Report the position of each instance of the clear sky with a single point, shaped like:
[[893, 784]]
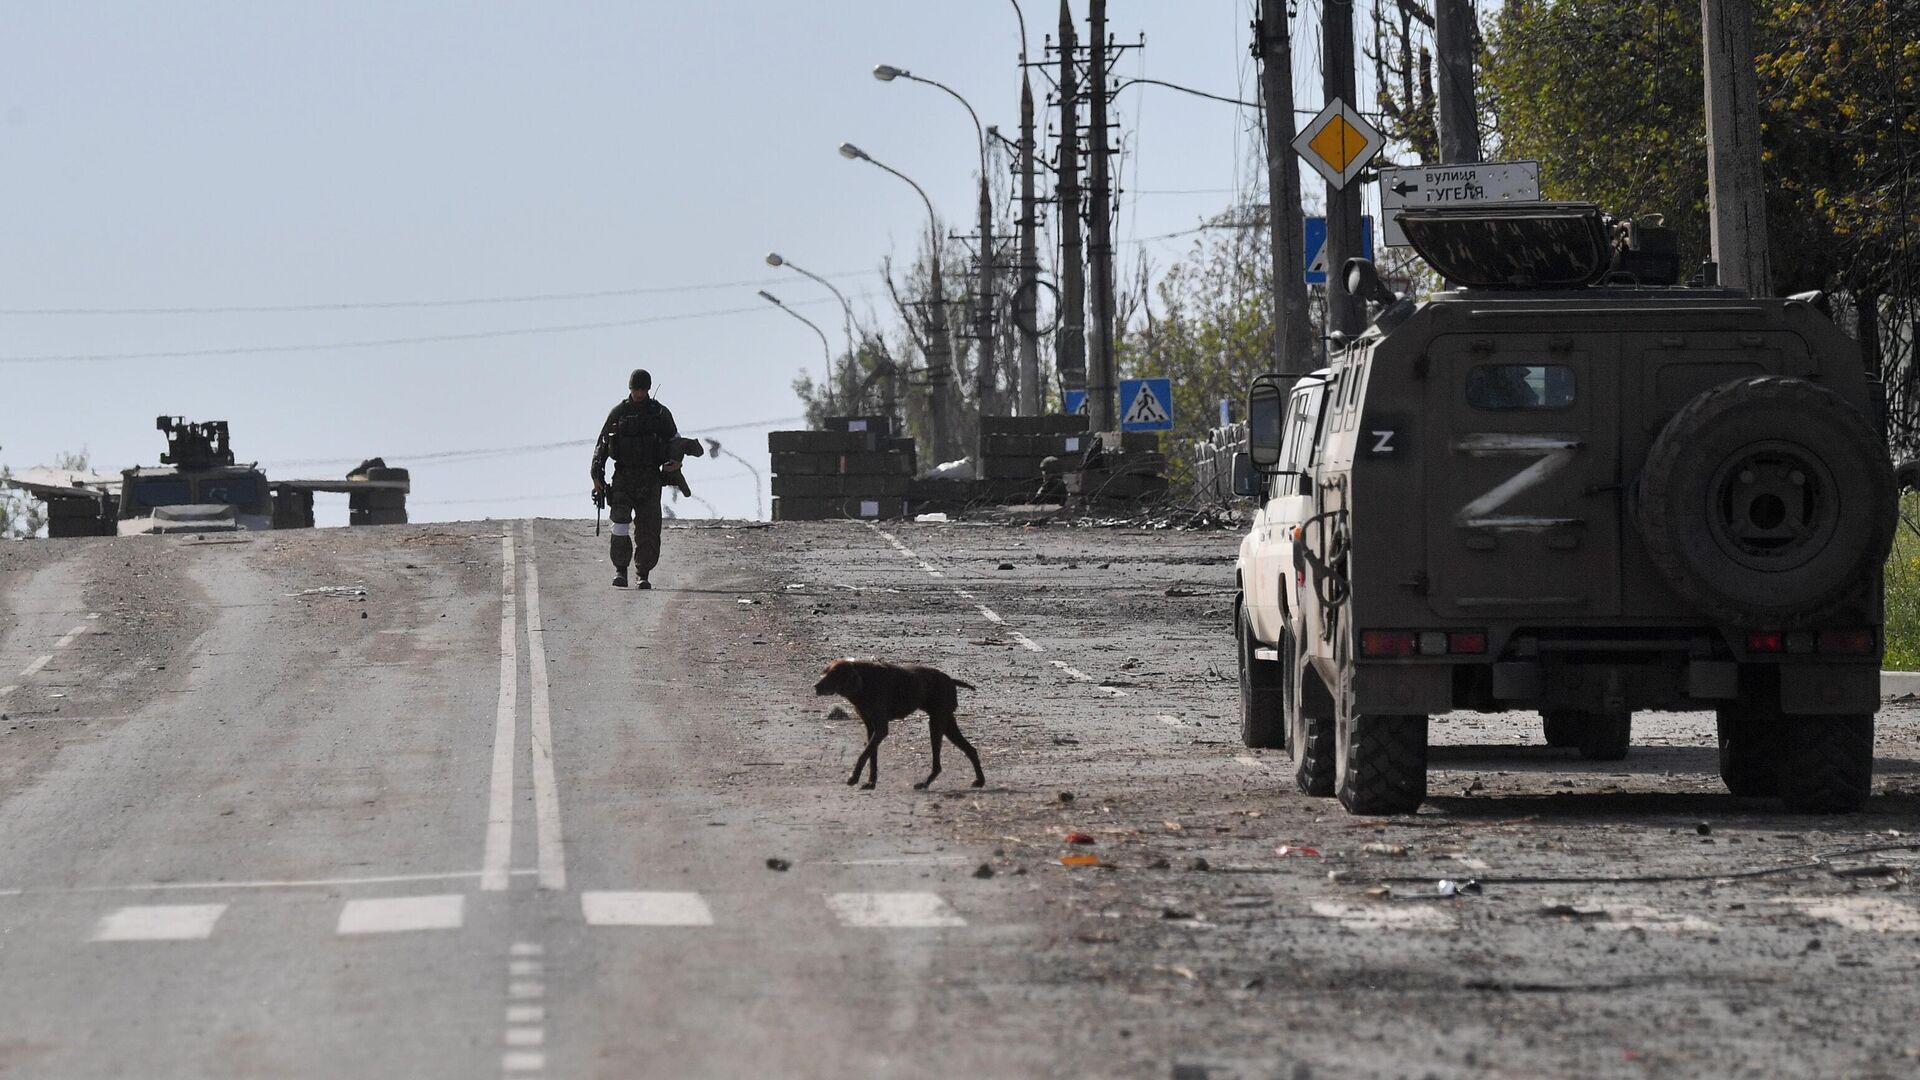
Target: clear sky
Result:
[[242, 154]]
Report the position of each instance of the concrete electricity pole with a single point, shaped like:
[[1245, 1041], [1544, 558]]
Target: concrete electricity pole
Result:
[[1293, 351], [1459, 112], [1100, 373], [1345, 313], [1026, 302], [1071, 350], [1737, 201]]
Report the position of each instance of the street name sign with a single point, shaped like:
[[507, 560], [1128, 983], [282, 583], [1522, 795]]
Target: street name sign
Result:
[[1146, 404], [1338, 143], [1421, 187]]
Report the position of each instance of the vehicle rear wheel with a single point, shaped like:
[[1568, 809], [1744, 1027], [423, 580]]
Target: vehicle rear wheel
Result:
[[1751, 747], [1605, 736], [1383, 762], [1311, 739], [1263, 719], [1828, 765], [1767, 501], [1561, 727]]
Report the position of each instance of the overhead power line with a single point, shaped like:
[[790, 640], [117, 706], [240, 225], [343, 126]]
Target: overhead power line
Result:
[[501, 451], [374, 343], [378, 305]]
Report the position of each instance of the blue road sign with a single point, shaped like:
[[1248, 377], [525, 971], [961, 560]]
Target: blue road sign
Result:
[[1316, 247], [1146, 404], [1076, 403]]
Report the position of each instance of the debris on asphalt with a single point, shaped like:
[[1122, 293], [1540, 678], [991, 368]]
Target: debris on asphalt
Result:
[[1004, 566], [1286, 851], [1704, 829], [1079, 860], [1175, 913], [1066, 796], [347, 592], [778, 863], [1449, 887], [1398, 851], [935, 518], [1199, 865], [1077, 838], [983, 871]]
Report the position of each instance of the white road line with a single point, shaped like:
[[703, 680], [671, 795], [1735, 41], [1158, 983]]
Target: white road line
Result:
[[526, 991], [645, 909], [5, 690], [526, 1036], [70, 635], [36, 666], [399, 914], [520, 1061], [526, 1014], [893, 910], [1026, 642], [1627, 915], [160, 922], [290, 883], [1082, 676], [521, 948], [526, 967], [1870, 914], [498, 853], [1382, 917], [546, 792]]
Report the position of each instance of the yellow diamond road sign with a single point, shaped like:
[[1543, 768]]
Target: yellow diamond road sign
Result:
[[1338, 143]]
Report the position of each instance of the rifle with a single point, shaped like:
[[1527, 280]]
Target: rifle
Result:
[[599, 501]]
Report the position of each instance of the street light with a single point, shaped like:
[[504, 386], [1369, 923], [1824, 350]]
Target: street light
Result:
[[825, 349], [984, 303], [939, 349], [846, 309]]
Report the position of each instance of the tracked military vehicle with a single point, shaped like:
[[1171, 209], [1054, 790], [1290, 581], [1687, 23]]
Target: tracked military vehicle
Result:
[[1569, 484]]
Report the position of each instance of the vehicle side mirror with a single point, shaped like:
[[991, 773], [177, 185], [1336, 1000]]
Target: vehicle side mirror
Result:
[[1363, 281], [1247, 482], [1266, 404]]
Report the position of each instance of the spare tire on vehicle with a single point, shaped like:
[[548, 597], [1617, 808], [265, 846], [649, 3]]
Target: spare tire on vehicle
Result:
[[1767, 501]]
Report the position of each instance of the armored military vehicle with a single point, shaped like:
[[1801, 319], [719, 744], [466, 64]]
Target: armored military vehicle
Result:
[[1570, 484], [198, 487]]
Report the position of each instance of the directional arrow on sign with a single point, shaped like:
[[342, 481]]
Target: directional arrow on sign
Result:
[[1401, 187]]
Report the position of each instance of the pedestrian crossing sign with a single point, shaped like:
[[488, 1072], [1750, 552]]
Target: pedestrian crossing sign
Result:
[[1146, 404]]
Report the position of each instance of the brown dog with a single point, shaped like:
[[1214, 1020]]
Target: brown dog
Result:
[[882, 693]]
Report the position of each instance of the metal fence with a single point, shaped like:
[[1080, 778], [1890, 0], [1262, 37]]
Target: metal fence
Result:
[[1213, 462]]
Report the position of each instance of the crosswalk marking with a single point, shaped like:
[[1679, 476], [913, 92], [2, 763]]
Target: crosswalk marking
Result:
[[1870, 914], [159, 922], [645, 909], [1627, 915], [402, 913], [893, 910], [1382, 917]]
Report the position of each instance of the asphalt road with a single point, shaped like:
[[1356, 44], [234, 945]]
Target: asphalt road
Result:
[[436, 801]]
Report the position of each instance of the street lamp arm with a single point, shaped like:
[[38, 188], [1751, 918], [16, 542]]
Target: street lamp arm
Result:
[[1187, 90], [933, 220], [979, 132]]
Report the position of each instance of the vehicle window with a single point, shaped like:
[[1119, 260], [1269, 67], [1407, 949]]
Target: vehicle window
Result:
[[1520, 386], [162, 493], [234, 490]]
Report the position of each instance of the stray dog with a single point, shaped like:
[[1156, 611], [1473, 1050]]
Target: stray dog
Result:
[[882, 693]]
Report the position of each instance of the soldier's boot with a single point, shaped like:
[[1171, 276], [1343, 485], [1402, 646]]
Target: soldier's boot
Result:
[[622, 552]]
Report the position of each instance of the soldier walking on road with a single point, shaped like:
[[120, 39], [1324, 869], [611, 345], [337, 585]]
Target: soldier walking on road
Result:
[[641, 438]]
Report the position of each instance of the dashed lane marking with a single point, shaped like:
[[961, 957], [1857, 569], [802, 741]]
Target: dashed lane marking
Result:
[[1870, 914], [645, 909], [36, 666], [5, 690], [1081, 676], [1026, 642], [401, 914], [1382, 917], [68, 639], [546, 792], [519, 1062], [159, 922], [1627, 915], [498, 852], [526, 1030], [893, 910]]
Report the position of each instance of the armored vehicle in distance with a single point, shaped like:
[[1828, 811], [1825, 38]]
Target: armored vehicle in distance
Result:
[[1569, 484]]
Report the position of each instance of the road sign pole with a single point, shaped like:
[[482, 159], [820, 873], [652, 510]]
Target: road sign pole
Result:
[[1345, 313], [1293, 351]]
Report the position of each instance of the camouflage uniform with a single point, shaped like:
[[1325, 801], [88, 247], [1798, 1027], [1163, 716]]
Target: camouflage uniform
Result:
[[639, 436]]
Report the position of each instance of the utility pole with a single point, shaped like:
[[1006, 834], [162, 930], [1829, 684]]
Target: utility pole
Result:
[[1100, 373], [1345, 313], [1293, 352], [1072, 346], [1737, 201], [943, 411], [1459, 112], [1025, 302], [986, 392]]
